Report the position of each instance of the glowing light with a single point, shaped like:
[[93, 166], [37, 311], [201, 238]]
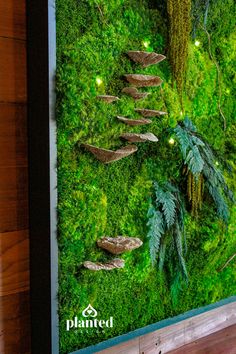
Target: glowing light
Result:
[[217, 163], [99, 81], [197, 43], [146, 44], [181, 113], [227, 91], [171, 141]]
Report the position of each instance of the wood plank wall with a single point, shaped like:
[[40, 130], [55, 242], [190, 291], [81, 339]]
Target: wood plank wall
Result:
[[14, 245], [179, 334]]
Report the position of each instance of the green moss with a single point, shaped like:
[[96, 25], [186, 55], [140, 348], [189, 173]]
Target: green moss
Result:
[[97, 199]]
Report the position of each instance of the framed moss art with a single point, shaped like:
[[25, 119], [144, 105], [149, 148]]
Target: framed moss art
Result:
[[132, 167]]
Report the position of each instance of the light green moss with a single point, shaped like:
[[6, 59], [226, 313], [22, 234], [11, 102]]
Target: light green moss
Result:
[[97, 199]]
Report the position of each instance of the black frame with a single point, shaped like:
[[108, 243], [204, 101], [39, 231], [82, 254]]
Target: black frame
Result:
[[41, 57]]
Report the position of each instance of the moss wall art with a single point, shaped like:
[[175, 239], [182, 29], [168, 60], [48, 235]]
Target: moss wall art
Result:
[[123, 198]]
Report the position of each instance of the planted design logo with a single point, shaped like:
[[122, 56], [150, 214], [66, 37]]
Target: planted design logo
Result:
[[90, 322], [89, 311]]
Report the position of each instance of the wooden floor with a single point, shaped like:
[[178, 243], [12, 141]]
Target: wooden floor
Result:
[[222, 342]]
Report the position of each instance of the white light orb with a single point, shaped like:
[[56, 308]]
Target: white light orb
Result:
[[99, 81], [146, 44]]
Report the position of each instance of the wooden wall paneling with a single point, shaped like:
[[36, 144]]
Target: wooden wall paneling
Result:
[[13, 135], [178, 334], [14, 262], [13, 198], [12, 70], [15, 324], [12, 19], [130, 347], [223, 342], [14, 242], [187, 331]]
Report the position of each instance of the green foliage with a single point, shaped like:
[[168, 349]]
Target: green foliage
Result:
[[179, 12], [97, 200], [200, 10], [190, 145], [155, 233], [166, 225], [166, 200], [200, 159]]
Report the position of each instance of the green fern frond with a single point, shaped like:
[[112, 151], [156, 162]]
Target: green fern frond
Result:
[[177, 235], [194, 161], [197, 141], [188, 124], [166, 226], [200, 159], [162, 254], [166, 200], [156, 231], [184, 140], [221, 206]]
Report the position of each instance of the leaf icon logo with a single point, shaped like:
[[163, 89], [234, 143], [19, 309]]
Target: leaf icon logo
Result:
[[89, 312]]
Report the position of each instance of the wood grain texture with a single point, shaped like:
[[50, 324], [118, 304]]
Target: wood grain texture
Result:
[[15, 324], [12, 19], [14, 246], [177, 335], [221, 342], [130, 347], [189, 330], [12, 70], [14, 262], [13, 135], [13, 198]]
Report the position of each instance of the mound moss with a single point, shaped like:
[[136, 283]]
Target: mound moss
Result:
[[97, 200]]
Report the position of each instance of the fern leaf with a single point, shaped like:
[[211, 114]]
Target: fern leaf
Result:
[[188, 124], [155, 233], [162, 254], [166, 200], [197, 141], [179, 248], [194, 161], [184, 140], [221, 206]]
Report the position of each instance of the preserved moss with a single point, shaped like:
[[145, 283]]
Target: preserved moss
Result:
[[179, 12], [97, 200]]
